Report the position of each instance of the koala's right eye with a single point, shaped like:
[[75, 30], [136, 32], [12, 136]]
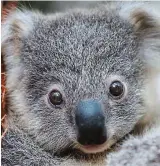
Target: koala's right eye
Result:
[[55, 97]]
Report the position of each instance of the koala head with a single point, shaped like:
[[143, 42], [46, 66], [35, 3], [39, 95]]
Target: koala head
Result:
[[75, 80]]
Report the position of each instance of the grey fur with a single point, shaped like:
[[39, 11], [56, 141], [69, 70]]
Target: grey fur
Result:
[[19, 149], [79, 53], [138, 151]]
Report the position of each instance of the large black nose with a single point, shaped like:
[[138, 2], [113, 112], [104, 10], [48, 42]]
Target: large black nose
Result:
[[90, 122]]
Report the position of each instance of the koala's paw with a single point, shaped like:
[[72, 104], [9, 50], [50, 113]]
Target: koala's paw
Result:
[[138, 151]]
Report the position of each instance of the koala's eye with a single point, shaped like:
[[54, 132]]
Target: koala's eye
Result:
[[55, 97], [116, 89]]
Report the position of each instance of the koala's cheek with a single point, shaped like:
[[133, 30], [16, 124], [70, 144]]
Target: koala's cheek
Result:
[[118, 128], [57, 116]]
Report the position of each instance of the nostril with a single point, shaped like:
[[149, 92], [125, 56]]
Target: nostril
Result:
[[98, 140], [92, 137], [102, 139]]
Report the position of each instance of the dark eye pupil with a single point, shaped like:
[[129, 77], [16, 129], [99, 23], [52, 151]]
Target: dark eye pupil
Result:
[[116, 88], [55, 97]]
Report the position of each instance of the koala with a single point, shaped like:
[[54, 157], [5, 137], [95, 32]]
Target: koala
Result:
[[76, 82]]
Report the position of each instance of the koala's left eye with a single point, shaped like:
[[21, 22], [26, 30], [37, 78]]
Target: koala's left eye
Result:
[[116, 89], [55, 97]]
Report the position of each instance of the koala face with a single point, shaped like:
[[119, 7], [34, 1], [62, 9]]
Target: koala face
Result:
[[80, 80]]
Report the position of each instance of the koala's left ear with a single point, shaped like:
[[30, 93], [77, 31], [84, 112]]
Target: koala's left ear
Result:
[[143, 16], [145, 19], [145, 23]]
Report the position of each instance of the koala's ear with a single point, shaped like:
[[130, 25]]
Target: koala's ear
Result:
[[144, 22], [145, 19], [143, 16], [15, 26]]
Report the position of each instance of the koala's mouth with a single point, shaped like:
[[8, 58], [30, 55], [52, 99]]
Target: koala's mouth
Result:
[[93, 149], [89, 152]]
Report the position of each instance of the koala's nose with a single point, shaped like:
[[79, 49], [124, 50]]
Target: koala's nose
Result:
[[90, 122]]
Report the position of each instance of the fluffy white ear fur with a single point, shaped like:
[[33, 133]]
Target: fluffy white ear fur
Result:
[[17, 24], [141, 14]]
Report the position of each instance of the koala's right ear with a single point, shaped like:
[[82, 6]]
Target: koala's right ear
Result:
[[16, 25]]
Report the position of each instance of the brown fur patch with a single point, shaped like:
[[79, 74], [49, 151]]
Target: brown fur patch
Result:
[[141, 20]]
